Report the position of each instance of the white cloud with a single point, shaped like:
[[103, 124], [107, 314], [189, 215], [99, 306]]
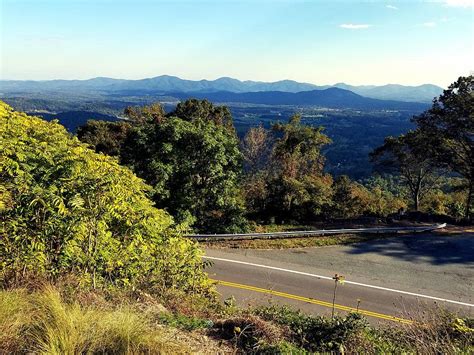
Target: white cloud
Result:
[[391, 7], [429, 24], [459, 3], [352, 26]]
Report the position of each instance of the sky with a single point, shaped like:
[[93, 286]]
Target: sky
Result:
[[321, 42]]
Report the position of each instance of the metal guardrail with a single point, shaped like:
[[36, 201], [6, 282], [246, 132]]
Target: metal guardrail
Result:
[[294, 234]]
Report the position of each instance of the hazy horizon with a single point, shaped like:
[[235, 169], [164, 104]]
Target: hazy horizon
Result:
[[319, 42], [213, 79]]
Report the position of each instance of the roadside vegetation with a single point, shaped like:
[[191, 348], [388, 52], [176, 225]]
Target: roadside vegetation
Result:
[[52, 319], [294, 242], [68, 211], [41, 322], [92, 257]]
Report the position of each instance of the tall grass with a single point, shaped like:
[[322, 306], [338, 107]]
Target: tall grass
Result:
[[15, 313], [41, 322], [437, 331], [49, 321]]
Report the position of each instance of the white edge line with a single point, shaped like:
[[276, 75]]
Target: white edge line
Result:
[[348, 282]]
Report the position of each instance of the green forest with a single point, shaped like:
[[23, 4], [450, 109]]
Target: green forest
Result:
[[92, 225], [210, 181]]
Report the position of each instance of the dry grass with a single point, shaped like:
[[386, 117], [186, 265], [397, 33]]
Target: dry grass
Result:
[[15, 312], [298, 242], [249, 333], [438, 331], [42, 322], [456, 230], [46, 321]]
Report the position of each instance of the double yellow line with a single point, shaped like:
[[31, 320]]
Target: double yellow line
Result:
[[313, 301]]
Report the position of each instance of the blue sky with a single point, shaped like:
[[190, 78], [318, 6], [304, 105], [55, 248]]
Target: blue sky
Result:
[[322, 42]]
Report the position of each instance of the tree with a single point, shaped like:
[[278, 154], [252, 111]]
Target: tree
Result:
[[189, 156], [386, 195], [194, 168], [148, 113], [103, 136], [255, 194], [345, 202], [194, 109], [298, 151], [66, 210], [449, 128], [407, 156], [109, 137], [256, 148], [298, 187]]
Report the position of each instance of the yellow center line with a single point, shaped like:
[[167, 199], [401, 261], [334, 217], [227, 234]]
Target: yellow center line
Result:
[[313, 301]]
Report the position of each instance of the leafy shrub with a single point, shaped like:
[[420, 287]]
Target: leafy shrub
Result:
[[184, 322], [315, 333], [65, 209], [249, 333]]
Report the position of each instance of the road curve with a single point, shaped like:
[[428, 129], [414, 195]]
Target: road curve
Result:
[[396, 277]]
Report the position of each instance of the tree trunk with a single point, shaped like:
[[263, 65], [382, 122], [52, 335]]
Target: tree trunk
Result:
[[469, 200], [416, 192], [416, 196], [416, 199]]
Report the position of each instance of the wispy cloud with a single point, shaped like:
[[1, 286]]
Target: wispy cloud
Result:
[[391, 7], [429, 24], [459, 3], [352, 26]]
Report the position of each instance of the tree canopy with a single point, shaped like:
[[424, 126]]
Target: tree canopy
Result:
[[103, 136], [292, 184], [194, 168], [148, 113], [204, 110], [407, 156], [449, 127], [190, 157]]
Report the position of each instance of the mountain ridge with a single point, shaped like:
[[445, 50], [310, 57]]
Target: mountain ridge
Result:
[[331, 98], [167, 83]]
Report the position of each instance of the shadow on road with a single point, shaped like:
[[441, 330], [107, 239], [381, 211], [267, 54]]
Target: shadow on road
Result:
[[432, 248]]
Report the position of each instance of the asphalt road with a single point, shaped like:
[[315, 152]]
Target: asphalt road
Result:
[[395, 277]]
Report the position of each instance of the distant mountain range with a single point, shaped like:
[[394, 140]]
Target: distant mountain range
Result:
[[420, 93], [166, 84], [330, 98]]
